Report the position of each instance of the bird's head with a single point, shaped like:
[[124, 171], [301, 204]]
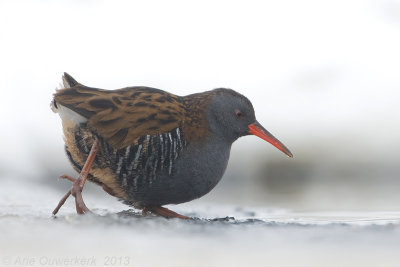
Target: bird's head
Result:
[[231, 115]]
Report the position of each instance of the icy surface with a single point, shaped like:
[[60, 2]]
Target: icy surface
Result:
[[220, 235]]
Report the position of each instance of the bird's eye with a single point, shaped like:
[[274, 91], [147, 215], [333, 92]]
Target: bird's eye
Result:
[[238, 113]]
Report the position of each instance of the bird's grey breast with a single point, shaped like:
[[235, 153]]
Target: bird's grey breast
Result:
[[201, 167], [162, 169], [165, 169]]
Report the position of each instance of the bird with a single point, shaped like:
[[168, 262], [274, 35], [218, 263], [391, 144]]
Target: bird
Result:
[[148, 147]]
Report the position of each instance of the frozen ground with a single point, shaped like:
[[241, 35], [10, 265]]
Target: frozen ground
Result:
[[221, 235]]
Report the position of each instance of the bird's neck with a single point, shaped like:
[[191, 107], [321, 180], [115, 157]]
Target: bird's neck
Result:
[[195, 125]]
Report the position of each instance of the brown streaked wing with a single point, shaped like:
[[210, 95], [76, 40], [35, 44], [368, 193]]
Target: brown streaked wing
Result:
[[122, 116]]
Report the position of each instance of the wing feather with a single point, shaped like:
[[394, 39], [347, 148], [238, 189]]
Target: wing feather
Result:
[[122, 116]]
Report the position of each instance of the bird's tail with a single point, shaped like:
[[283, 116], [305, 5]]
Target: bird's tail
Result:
[[67, 82]]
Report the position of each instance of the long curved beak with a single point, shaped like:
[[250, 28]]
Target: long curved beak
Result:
[[257, 130]]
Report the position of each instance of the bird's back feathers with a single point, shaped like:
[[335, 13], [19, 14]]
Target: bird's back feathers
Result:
[[122, 116]]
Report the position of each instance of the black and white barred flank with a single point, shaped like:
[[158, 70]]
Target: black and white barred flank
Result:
[[139, 164]]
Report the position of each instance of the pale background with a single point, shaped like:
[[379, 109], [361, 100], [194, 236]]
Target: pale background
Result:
[[323, 77]]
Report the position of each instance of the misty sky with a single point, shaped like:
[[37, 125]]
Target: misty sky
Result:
[[322, 75]]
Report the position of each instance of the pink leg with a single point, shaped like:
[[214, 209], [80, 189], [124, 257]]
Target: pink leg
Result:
[[77, 184], [164, 212]]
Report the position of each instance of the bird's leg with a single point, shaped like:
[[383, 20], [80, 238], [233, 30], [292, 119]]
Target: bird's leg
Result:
[[77, 184], [164, 212]]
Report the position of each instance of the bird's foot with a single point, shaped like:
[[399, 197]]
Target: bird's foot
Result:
[[164, 212], [76, 191], [77, 184]]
